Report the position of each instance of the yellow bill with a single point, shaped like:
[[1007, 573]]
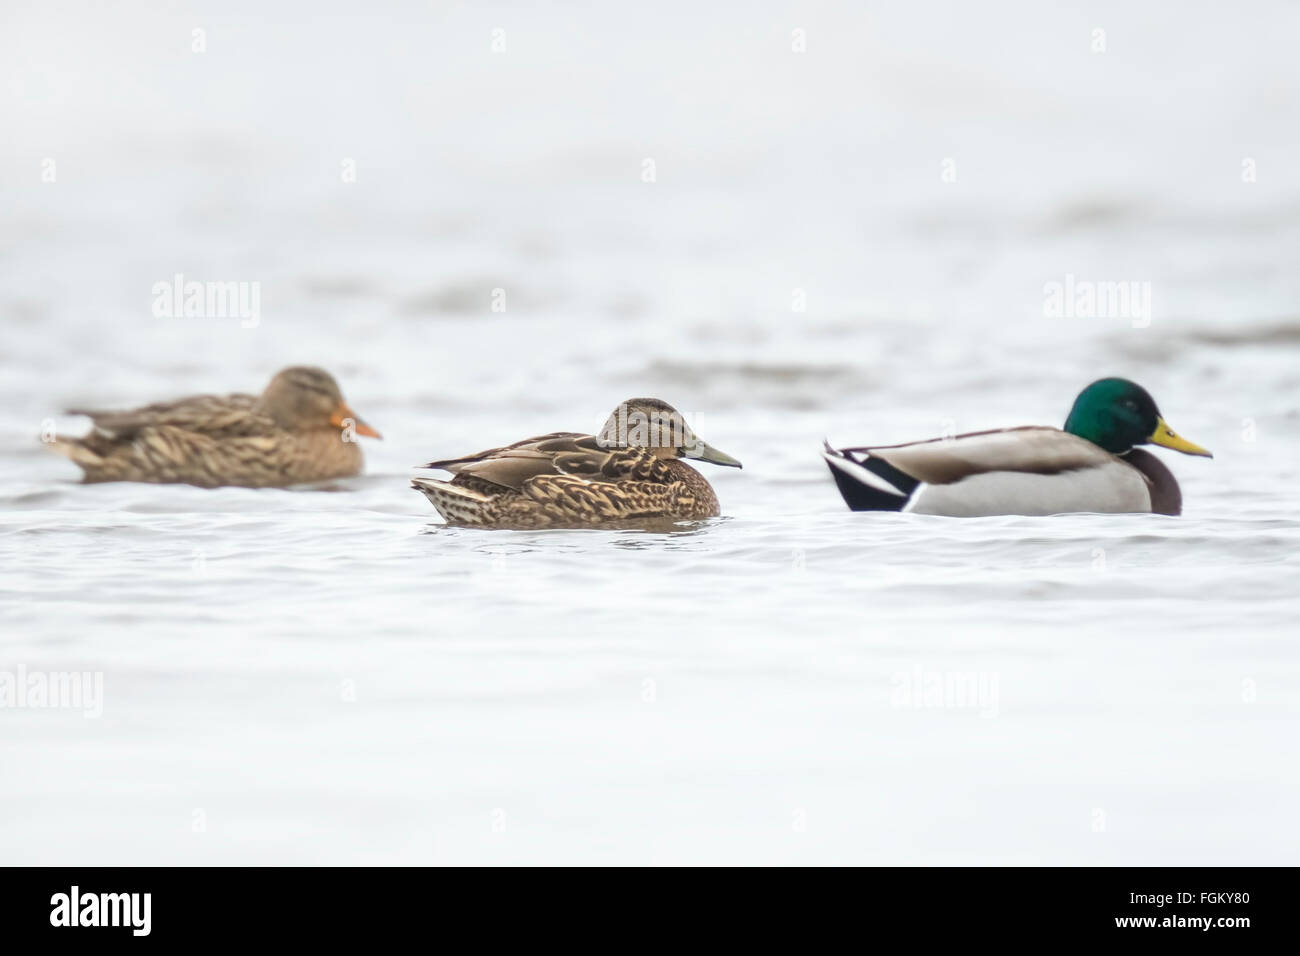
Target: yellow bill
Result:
[[1165, 436]]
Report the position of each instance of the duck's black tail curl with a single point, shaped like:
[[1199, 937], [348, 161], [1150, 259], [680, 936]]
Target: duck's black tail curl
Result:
[[867, 483]]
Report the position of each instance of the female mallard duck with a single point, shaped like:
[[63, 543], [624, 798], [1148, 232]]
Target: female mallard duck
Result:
[[1092, 465], [298, 430], [632, 471]]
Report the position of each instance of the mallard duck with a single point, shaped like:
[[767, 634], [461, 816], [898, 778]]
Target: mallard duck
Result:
[[630, 472], [1091, 465], [298, 430]]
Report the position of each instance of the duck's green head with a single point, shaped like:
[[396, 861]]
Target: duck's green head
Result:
[[1118, 414]]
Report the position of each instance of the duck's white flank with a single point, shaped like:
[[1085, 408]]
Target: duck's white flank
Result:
[[1112, 488]]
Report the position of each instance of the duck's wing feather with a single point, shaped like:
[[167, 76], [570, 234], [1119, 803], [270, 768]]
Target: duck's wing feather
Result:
[[214, 415], [1034, 450], [510, 465], [570, 454]]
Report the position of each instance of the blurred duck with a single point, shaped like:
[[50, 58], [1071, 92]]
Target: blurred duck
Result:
[[632, 472], [298, 430], [1092, 465]]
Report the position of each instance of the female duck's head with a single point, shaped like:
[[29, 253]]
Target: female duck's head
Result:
[[302, 398], [657, 426], [1118, 414]]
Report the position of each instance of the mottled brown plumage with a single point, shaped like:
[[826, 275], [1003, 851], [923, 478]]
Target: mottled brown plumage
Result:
[[631, 473], [298, 430]]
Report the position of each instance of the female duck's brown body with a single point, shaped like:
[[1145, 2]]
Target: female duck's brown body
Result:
[[568, 479], [298, 430]]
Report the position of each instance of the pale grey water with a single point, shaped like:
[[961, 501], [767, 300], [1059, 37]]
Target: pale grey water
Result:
[[321, 677]]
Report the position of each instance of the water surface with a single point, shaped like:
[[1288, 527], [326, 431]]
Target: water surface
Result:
[[308, 676]]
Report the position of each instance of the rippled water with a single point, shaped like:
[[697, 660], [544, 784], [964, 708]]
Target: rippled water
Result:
[[334, 676]]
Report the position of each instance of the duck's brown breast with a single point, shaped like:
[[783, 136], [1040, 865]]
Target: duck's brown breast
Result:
[[317, 456], [698, 499], [1166, 496]]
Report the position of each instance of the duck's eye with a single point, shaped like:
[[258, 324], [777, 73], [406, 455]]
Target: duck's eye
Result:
[[1130, 404]]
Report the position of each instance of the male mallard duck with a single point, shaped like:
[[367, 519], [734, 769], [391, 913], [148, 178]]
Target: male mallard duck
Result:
[[1092, 465], [632, 471], [298, 430]]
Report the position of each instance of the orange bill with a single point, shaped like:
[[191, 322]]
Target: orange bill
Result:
[[344, 416]]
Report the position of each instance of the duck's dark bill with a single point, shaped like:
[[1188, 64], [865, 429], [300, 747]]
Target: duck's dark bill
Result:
[[1165, 437], [706, 452]]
